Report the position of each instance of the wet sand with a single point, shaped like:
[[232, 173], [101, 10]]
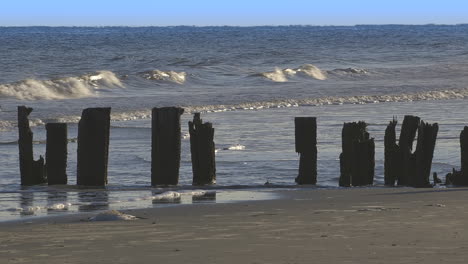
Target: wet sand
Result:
[[379, 225]]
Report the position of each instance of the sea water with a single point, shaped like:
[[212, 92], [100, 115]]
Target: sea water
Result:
[[250, 82]]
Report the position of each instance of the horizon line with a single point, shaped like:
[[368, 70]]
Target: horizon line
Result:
[[239, 26]]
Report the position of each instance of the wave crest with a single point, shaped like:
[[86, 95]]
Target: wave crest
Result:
[[62, 88], [172, 76], [308, 70]]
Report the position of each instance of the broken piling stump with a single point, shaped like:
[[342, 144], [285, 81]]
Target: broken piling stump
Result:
[[165, 145], [202, 148], [408, 168], [405, 170], [357, 162], [427, 135], [391, 154], [32, 172], [56, 153], [306, 146], [93, 146], [460, 178]]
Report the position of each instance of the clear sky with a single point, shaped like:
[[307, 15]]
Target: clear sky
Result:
[[230, 12]]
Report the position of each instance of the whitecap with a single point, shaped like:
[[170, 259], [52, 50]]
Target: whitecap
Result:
[[173, 76], [61, 88]]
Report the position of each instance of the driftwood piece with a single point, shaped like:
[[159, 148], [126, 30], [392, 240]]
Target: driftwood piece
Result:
[[32, 172], [165, 145], [202, 148], [357, 162], [56, 153], [93, 146], [306, 146]]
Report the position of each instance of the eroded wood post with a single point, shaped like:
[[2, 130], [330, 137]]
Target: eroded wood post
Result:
[[56, 153], [306, 146], [93, 146], [32, 172], [202, 148], [357, 163], [460, 178], [391, 152], [165, 145], [427, 135], [464, 155], [408, 133]]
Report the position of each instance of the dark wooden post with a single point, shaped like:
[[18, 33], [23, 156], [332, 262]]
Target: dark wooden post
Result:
[[306, 146], [391, 152], [357, 161], [460, 178], [93, 146], [365, 162], [408, 133], [427, 135], [56, 153], [165, 145], [32, 172], [464, 155], [202, 148]]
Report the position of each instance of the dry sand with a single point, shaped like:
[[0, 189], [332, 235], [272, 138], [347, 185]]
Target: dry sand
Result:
[[380, 225]]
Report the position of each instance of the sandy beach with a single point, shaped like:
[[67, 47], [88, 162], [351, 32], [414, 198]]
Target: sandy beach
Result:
[[379, 225]]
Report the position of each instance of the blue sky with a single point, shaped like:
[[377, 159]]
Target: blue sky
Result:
[[230, 12]]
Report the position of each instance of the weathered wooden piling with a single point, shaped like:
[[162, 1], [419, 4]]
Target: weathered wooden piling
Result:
[[32, 171], [306, 146], [422, 161], [460, 178], [464, 155], [93, 146], [408, 168], [404, 167], [391, 154], [165, 145], [357, 163], [202, 148], [56, 153]]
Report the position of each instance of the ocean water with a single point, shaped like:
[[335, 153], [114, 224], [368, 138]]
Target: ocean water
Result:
[[250, 82]]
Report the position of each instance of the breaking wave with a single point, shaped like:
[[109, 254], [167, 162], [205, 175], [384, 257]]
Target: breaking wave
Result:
[[62, 88], [172, 76], [281, 75]]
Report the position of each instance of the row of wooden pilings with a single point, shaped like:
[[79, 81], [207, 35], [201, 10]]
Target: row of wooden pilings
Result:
[[403, 167]]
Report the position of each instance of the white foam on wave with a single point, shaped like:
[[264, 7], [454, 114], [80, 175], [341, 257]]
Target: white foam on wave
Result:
[[61, 88], [235, 147], [59, 206], [328, 100], [170, 195], [31, 210], [312, 71], [277, 75], [309, 70], [172, 76]]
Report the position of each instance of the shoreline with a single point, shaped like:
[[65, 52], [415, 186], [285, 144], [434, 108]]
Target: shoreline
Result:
[[54, 202], [358, 225]]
